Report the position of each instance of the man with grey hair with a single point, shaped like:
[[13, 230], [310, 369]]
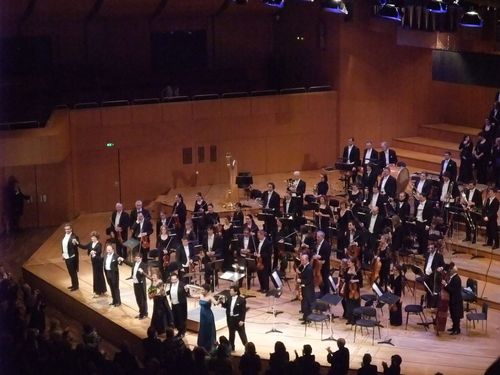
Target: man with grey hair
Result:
[[338, 359], [297, 188], [387, 156], [120, 222], [322, 254], [139, 209]]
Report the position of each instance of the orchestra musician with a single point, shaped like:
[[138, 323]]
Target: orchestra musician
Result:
[[198, 217], [138, 272], [161, 222], [448, 192], [284, 244], [369, 178], [343, 217], [490, 211], [250, 224], [211, 217], [120, 222], [454, 287], [481, 154], [356, 197], [466, 159], [352, 236], [370, 155], [184, 255], [189, 232], [351, 290], [397, 237], [290, 210], [212, 250], [263, 253], [402, 207], [322, 186], [305, 281], [238, 218], [387, 156], [165, 244], [137, 210], [433, 263], [179, 214], [351, 156], [298, 188], [271, 204], [247, 246], [471, 199], [423, 215], [388, 184], [384, 256], [396, 287], [323, 214], [375, 225], [322, 254], [226, 232], [375, 199], [449, 166], [141, 230]]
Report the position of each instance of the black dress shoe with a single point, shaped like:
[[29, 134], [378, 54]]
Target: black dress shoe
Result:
[[141, 317], [73, 289], [466, 240], [111, 304], [70, 287], [450, 329], [117, 304], [494, 247], [305, 322]]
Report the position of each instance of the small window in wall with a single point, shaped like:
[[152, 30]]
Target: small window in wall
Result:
[[213, 153], [187, 155], [201, 154]]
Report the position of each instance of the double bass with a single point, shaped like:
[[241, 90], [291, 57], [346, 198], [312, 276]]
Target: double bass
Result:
[[442, 306]]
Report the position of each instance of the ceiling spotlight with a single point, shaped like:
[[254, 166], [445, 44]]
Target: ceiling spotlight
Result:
[[471, 19], [436, 6], [334, 6], [274, 3], [389, 12]]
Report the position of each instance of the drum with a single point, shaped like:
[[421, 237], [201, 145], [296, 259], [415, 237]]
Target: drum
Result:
[[402, 176]]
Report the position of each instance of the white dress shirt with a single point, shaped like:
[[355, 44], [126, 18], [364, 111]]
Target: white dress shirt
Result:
[[319, 247], [174, 288], [134, 272], [261, 242], [382, 184], [371, 227], [246, 242], [420, 212], [65, 242], [428, 266], [107, 264], [420, 186], [349, 149], [386, 153], [444, 191], [374, 200], [368, 156], [186, 251], [210, 242], [445, 165], [233, 303], [471, 195]]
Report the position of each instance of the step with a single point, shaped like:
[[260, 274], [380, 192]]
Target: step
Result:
[[447, 132], [419, 160], [427, 145], [473, 249]]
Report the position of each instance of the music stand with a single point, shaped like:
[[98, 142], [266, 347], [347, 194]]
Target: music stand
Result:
[[216, 267], [131, 244], [333, 299], [233, 276], [275, 293], [389, 299]]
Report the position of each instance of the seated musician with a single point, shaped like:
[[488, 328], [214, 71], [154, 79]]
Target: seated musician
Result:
[[211, 217], [433, 263], [212, 250], [471, 200], [356, 196], [387, 156], [141, 230], [297, 188], [263, 254], [402, 207], [388, 184], [351, 290], [369, 178], [370, 155], [322, 186], [184, 255], [423, 214], [190, 233]]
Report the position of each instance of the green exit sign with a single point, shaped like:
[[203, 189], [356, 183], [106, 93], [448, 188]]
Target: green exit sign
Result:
[[110, 144]]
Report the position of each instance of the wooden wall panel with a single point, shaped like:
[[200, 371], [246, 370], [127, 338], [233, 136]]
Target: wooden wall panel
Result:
[[85, 117], [146, 114], [112, 116]]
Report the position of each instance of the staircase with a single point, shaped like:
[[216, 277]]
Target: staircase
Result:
[[425, 151]]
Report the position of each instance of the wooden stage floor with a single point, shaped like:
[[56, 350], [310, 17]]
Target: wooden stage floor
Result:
[[422, 351]]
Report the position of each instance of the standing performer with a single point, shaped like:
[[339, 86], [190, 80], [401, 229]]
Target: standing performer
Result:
[[162, 313], [112, 274], [298, 188], [490, 212], [434, 262], [263, 254], [396, 284], [388, 184], [235, 315], [178, 298], [351, 156], [270, 204], [213, 250], [471, 200], [351, 292], [179, 214], [94, 250], [184, 255], [466, 159], [481, 155], [322, 255], [211, 217], [456, 303], [306, 283], [323, 214], [69, 245], [370, 155], [120, 222], [200, 207], [387, 156], [139, 270], [137, 210], [206, 333], [424, 215], [449, 166]]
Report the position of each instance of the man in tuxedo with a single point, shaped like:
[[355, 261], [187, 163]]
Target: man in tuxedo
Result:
[[433, 262], [423, 214], [112, 274], [184, 255], [423, 185], [351, 236], [402, 206], [369, 178], [375, 199], [235, 314], [247, 244], [162, 221], [472, 199], [141, 230], [306, 282], [298, 189], [387, 156], [490, 211], [69, 245], [139, 209], [370, 155], [264, 251], [449, 166], [290, 210], [138, 276], [213, 250], [388, 184], [375, 225], [270, 204], [178, 298], [456, 303], [120, 223], [322, 254], [448, 193], [351, 156]]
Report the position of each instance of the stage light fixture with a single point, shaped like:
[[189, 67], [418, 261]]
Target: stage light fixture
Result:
[[471, 19], [274, 3], [389, 12], [436, 6], [334, 6]]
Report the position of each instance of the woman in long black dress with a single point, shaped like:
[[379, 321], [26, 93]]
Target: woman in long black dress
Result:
[[466, 160], [396, 284], [162, 313], [226, 231], [323, 214], [322, 186], [94, 250], [166, 244], [351, 291], [200, 207]]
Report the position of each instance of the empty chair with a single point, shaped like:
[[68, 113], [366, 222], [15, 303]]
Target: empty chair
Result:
[[416, 310], [319, 315], [475, 317], [368, 320]]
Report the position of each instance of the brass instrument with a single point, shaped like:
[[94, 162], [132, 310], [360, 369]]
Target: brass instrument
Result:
[[449, 199], [466, 206]]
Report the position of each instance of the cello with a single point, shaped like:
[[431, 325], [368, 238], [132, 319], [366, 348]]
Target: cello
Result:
[[318, 279], [442, 306]]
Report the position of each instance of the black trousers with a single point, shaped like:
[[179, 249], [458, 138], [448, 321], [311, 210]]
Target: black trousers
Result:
[[455, 323], [179, 311], [422, 237], [492, 232], [114, 286], [233, 326], [141, 299], [71, 265], [325, 286], [264, 277]]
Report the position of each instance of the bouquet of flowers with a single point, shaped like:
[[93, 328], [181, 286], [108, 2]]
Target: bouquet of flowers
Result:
[[152, 291]]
